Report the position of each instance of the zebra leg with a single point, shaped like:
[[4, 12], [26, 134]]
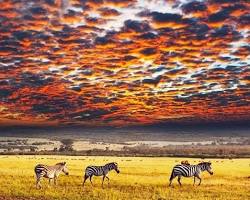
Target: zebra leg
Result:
[[90, 178], [179, 180], [84, 180], [38, 184], [194, 181], [171, 178], [103, 180], [200, 179], [55, 181], [107, 178], [38, 179]]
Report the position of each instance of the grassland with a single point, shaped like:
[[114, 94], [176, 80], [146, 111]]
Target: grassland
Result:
[[140, 178]]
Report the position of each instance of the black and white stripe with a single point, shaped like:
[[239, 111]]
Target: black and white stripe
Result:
[[189, 171], [91, 171], [50, 172]]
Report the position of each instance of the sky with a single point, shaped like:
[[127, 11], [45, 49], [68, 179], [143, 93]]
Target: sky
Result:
[[124, 62]]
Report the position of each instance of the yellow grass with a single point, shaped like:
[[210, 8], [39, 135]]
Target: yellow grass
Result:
[[140, 178]]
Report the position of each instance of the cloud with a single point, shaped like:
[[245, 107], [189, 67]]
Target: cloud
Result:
[[108, 12], [132, 25], [38, 11], [219, 16], [4, 93], [245, 19], [116, 62], [89, 114], [148, 51], [194, 6], [166, 17]]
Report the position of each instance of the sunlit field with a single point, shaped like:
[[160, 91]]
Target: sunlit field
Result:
[[140, 178]]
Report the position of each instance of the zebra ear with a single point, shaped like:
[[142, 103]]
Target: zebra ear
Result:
[[64, 163]]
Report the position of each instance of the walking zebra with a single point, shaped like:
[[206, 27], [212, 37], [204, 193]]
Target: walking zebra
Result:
[[50, 172], [99, 171], [189, 171]]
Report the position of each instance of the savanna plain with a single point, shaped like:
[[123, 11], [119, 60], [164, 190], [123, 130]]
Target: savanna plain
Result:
[[140, 178]]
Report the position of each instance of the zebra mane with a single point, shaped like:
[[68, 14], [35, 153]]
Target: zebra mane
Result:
[[112, 163], [205, 163], [61, 163]]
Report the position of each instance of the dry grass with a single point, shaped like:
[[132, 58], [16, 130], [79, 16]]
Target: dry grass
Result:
[[140, 178]]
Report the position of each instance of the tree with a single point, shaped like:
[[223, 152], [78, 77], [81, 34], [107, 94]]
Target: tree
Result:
[[67, 145], [33, 149]]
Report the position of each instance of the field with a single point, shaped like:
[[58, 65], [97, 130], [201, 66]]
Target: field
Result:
[[140, 178]]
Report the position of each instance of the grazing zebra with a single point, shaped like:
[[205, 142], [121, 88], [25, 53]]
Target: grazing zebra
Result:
[[50, 172], [190, 170], [99, 171]]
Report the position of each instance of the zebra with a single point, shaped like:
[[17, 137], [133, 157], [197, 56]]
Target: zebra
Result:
[[189, 171], [50, 172], [100, 171]]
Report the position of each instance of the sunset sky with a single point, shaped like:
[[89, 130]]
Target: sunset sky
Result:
[[124, 62]]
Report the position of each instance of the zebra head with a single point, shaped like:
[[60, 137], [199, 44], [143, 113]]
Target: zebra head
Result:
[[64, 168], [114, 166], [206, 166]]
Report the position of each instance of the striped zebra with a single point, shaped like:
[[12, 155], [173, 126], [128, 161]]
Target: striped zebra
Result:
[[189, 171], [100, 171], [50, 172]]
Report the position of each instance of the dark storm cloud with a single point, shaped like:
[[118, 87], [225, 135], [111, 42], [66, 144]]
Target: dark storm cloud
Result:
[[153, 81], [92, 19], [148, 51], [245, 19], [109, 11], [53, 107], [166, 17], [38, 11], [157, 69], [41, 36], [129, 57], [10, 43], [194, 7], [103, 40], [5, 93], [224, 31], [21, 35], [34, 80], [45, 108], [137, 26], [199, 30], [225, 1], [29, 17], [8, 49], [147, 36], [234, 7], [50, 2], [219, 16], [71, 13]]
